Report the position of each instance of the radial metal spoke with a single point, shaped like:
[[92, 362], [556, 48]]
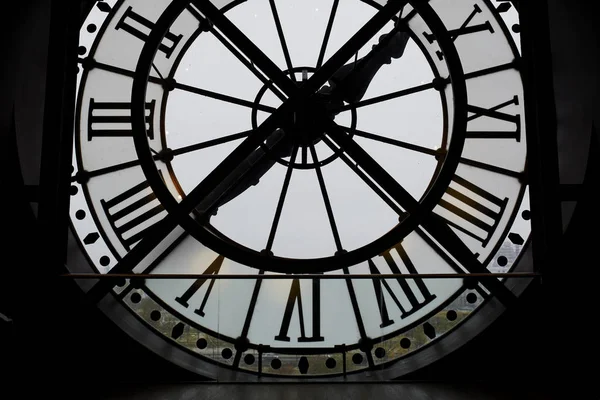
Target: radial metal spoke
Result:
[[249, 315], [223, 97], [357, 314], [236, 53], [364, 177], [492, 168], [246, 46], [389, 96], [160, 156], [332, 13], [492, 70], [284, 48], [157, 71], [435, 153], [249, 65], [184, 87], [334, 229], [90, 63], [373, 170], [211, 143], [394, 142], [279, 209], [107, 170]]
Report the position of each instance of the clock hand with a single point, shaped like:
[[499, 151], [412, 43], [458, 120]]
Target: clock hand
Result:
[[350, 82], [239, 180], [359, 76], [250, 50]]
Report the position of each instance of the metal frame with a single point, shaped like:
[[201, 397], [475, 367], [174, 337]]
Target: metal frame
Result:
[[542, 149], [57, 140]]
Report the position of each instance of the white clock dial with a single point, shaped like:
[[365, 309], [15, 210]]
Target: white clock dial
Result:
[[344, 139]]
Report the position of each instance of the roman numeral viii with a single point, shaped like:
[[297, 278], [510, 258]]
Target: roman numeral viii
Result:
[[479, 212], [113, 119], [129, 213], [295, 298], [140, 27], [416, 295], [212, 269], [465, 29]]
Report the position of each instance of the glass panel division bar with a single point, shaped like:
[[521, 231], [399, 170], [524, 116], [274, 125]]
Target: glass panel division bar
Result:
[[304, 276]]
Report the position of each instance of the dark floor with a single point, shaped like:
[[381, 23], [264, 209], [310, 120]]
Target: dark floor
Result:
[[408, 391]]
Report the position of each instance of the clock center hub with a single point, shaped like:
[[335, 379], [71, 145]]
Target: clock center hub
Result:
[[302, 131]]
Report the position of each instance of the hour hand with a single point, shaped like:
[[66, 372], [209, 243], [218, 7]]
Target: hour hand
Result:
[[351, 81], [248, 173]]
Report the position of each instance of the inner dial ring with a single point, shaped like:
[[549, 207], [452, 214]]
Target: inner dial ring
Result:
[[303, 142], [265, 259]]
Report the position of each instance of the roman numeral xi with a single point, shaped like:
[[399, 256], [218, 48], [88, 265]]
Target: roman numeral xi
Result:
[[212, 269]]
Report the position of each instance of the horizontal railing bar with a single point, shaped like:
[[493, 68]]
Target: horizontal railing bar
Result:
[[303, 276]]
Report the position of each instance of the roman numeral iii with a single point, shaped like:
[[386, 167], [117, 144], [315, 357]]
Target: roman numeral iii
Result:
[[113, 119]]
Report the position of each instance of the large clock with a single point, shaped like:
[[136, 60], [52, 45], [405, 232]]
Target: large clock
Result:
[[303, 189]]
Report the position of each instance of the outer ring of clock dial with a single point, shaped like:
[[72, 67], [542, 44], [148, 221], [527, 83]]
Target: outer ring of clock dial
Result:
[[135, 296], [267, 262]]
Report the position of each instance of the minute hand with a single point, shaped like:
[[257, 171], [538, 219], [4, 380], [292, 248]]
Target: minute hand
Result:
[[351, 81]]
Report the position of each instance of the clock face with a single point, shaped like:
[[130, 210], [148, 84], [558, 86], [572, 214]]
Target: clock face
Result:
[[254, 142]]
